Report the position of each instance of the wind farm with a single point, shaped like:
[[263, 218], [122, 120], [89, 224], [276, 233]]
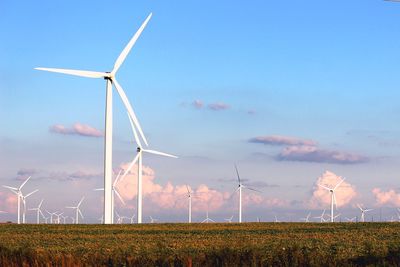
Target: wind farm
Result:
[[262, 108]]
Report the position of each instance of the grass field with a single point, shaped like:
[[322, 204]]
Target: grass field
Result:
[[253, 244]]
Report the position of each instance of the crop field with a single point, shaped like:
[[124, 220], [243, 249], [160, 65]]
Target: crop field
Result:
[[250, 244]]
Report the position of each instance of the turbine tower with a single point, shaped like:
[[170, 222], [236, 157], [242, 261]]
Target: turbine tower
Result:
[[240, 186], [110, 81], [24, 202], [139, 159], [363, 211], [189, 195], [333, 197], [77, 211], [18, 192]]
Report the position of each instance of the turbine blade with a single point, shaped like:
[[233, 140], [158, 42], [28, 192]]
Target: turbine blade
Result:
[[130, 166], [137, 139], [98, 189], [128, 106], [119, 196], [159, 153], [252, 189], [339, 184], [40, 204], [187, 189], [11, 188], [22, 185], [323, 186], [31, 193], [116, 179], [81, 73], [80, 213], [80, 202], [237, 173], [358, 205], [129, 46]]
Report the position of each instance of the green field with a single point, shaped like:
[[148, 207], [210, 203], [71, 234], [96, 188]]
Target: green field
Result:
[[253, 244]]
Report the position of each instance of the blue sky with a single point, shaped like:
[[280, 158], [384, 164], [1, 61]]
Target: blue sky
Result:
[[314, 70]]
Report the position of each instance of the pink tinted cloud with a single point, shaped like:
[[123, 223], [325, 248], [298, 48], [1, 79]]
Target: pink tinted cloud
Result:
[[8, 202], [76, 129], [282, 140], [219, 106], [390, 197], [198, 104], [313, 154], [321, 198], [169, 196]]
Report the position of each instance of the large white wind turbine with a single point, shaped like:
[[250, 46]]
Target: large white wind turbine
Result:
[[18, 192], [240, 186], [77, 210], [333, 197], [363, 211], [139, 159], [110, 80], [38, 212], [116, 192]]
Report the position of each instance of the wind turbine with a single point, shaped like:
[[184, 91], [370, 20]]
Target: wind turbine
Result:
[[276, 219], [240, 186], [24, 203], [229, 220], [333, 197], [132, 219], [138, 159], [38, 212], [110, 81], [363, 211], [58, 217], [322, 217], [18, 192], [189, 195], [77, 211], [116, 192], [306, 219], [207, 219], [351, 219], [152, 220], [51, 215]]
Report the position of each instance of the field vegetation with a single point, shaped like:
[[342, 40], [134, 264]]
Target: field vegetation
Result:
[[250, 244]]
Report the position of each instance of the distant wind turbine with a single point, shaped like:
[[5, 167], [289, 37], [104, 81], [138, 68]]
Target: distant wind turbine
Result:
[[139, 159], [77, 210], [114, 192], [363, 211], [351, 219], [110, 81], [239, 188], [38, 212], [306, 219], [333, 196], [152, 220], [322, 217], [229, 220]]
